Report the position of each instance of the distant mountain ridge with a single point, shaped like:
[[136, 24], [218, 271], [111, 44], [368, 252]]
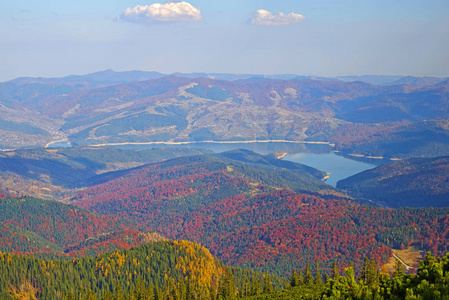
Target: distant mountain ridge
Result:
[[117, 77], [107, 77], [112, 107]]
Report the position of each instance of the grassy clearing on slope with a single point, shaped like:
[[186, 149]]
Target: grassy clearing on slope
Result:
[[411, 256]]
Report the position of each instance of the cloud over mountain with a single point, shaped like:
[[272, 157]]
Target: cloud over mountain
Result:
[[265, 18], [171, 11]]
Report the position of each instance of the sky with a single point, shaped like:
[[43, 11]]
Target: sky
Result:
[[54, 38]]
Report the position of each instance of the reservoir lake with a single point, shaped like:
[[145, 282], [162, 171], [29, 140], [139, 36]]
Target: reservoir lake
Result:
[[319, 156]]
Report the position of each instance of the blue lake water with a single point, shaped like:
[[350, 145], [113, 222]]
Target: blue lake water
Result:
[[320, 157], [59, 145], [339, 167]]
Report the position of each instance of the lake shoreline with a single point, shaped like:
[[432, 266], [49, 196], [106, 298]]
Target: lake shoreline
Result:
[[362, 156], [55, 142], [322, 155], [212, 142]]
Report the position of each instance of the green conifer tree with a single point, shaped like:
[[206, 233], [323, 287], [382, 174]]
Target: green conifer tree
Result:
[[149, 292], [318, 279], [301, 278], [398, 269], [246, 288], [255, 287], [189, 290], [294, 279], [268, 286], [227, 287], [335, 273], [308, 277], [212, 293]]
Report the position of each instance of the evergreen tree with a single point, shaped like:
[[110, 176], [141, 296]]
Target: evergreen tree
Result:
[[364, 271], [118, 295], [212, 293], [308, 277], [255, 287], [203, 292], [301, 278], [91, 295], [268, 286], [294, 279], [189, 290], [369, 273], [227, 287], [398, 269], [246, 290], [107, 295], [157, 293], [171, 290], [318, 280], [335, 273], [182, 289], [150, 292]]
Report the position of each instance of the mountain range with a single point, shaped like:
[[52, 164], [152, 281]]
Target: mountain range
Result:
[[251, 210], [167, 222], [110, 107]]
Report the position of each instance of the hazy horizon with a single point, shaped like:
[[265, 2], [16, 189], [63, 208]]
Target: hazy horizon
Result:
[[231, 74], [313, 37]]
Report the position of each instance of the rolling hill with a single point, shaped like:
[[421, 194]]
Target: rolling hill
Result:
[[43, 227], [147, 267], [394, 140], [258, 212], [250, 210], [418, 182], [54, 173]]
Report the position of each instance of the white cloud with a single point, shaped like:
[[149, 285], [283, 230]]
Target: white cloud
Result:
[[171, 11], [266, 18]]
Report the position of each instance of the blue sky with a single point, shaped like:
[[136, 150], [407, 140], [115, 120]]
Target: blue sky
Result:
[[310, 37]]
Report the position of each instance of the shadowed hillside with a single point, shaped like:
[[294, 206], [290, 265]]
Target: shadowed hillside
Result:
[[418, 182]]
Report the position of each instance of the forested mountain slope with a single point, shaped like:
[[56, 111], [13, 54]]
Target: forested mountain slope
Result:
[[155, 264], [394, 140], [31, 225], [184, 270], [244, 210], [245, 164], [54, 173], [418, 182]]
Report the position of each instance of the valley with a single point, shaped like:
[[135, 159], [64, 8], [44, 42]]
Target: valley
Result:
[[224, 150], [178, 180], [237, 203]]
